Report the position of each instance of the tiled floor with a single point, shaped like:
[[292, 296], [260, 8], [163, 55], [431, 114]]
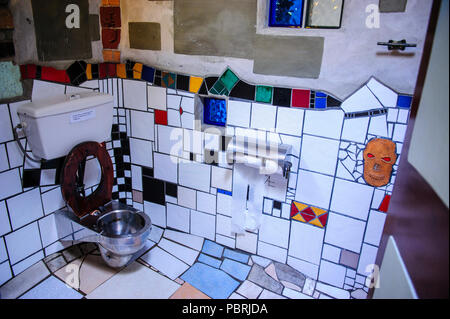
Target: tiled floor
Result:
[[178, 266]]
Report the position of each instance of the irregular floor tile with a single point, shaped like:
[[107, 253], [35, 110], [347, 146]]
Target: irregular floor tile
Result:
[[259, 277], [186, 291], [52, 288]]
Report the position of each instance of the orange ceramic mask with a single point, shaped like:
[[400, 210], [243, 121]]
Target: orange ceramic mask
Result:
[[379, 157]]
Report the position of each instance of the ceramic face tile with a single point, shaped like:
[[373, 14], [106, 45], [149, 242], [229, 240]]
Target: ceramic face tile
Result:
[[349, 259], [274, 231], [135, 282], [293, 294], [3, 158], [15, 240], [226, 241], [319, 154], [375, 225], [355, 129], [5, 227], [272, 252], [183, 253], [361, 196], [189, 240], [306, 242], [325, 123], [290, 121], [264, 94], [142, 125], [247, 242], [243, 90], [25, 208], [178, 217], [403, 115], [157, 213], [186, 197], [214, 111], [367, 258], [361, 100], [194, 175], [345, 232], [385, 95], [52, 200], [12, 179], [212, 248], [166, 167], [156, 98], [301, 98], [238, 113], [235, 269], [136, 177], [211, 281], [263, 116], [206, 203], [221, 178], [314, 189], [141, 152], [134, 93], [404, 101]]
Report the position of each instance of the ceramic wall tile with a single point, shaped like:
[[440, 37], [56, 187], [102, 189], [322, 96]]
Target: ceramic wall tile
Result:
[[50, 233], [319, 154], [385, 95], [44, 89], [399, 133], [25, 208], [378, 126], [331, 253], [361, 100], [367, 258], [52, 288], [314, 189], [194, 175], [3, 254], [170, 140], [166, 167], [134, 95], [272, 252], [332, 274], [142, 125], [263, 117], [5, 128], [332, 291], [355, 130], [306, 242], [206, 203], [156, 98], [14, 242], [15, 155], [189, 240], [221, 178], [12, 179], [238, 113], [173, 101], [136, 177], [27, 262], [326, 124], [3, 158], [193, 141], [183, 253], [52, 200], [360, 194], [5, 273], [141, 152], [223, 225], [249, 290], [186, 197], [374, 229], [274, 231], [173, 118], [224, 204], [157, 213], [345, 232], [235, 269], [290, 121], [178, 217]]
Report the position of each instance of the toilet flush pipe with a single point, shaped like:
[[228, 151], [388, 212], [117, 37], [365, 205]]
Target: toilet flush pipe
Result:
[[21, 126]]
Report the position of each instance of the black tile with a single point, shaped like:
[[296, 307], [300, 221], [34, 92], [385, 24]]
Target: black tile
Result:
[[129, 65], [31, 178], [276, 204], [281, 97], [191, 156], [332, 102], [203, 90], [210, 82], [157, 80], [115, 195], [54, 163], [244, 91], [122, 188], [94, 71], [115, 128], [147, 171], [171, 189], [183, 82], [123, 200], [38, 72], [77, 72], [153, 190]]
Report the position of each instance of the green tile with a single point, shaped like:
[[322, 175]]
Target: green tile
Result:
[[219, 89], [229, 79], [263, 94]]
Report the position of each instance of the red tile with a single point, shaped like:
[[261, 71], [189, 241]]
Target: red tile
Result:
[[384, 206], [28, 71], [300, 98], [160, 117], [110, 17], [111, 70], [110, 38], [54, 75], [102, 70], [323, 219], [294, 210]]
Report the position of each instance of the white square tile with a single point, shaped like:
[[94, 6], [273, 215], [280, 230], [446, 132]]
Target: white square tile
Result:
[[306, 242], [48, 176], [25, 208], [188, 120], [15, 242], [355, 130], [314, 189], [186, 197], [5, 273], [12, 179], [221, 178], [156, 98], [399, 133], [319, 154], [44, 89], [178, 217], [212, 141], [378, 126], [324, 123], [170, 140], [351, 198], [274, 231], [52, 201], [194, 175], [331, 253], [136, 177], [361, 100], [247, 242], [223, 225], [173, 101], [238, 113], [134, 94], [206, 203], [203, 225], [385, 95], [392, 114], [173, 118], [141, 152], [157, 213], [187, 103], [308, 269], [50, 232], [224, 204], [142, 125], [375, 226], [226, 241], [166, 167], [272, 252], [403, 116], [193, 141], [183, 253], [263, 116], [290, 121], [332, 274], [15, 155], [344, 232], [189, 240], [366, 259]]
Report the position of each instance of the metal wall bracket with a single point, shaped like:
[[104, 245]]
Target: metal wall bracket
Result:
[[397, 45]]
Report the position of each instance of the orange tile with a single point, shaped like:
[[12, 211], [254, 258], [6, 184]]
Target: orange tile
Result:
[[114, 3], [137, 71], [111, 56], [186, 291], [89, 71], [194, 84], [121, 70]]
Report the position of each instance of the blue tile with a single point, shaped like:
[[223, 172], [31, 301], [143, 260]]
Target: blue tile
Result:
[[235, 269], [209, 260], [148, 73], [286, 13], [320, 94], [320, 103], [211, 281], [243, 258], [224, 192], [212, 249], [215, 112], [404, 101], [52, 288]]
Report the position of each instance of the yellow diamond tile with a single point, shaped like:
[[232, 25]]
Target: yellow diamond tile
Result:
[[318, 211], [300, 206], [299, 218], [316, 222]]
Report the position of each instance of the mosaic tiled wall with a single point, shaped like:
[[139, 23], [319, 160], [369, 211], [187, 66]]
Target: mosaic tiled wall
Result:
[[325, 221]]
